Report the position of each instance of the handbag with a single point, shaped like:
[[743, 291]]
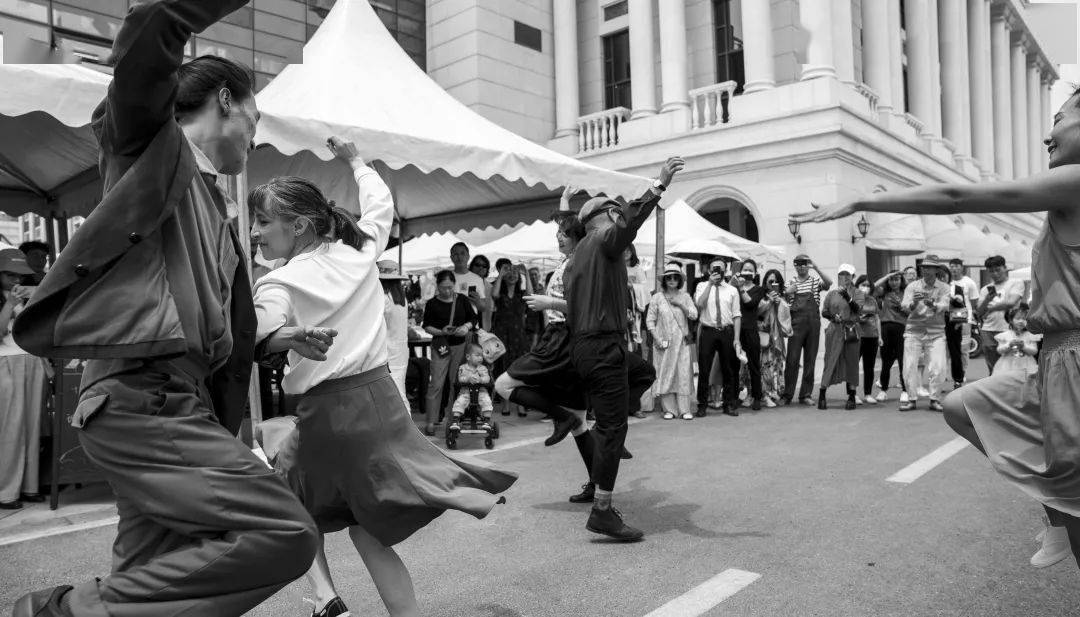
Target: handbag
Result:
[[851, 333]]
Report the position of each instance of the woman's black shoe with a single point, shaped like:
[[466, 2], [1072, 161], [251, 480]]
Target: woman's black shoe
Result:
[[587, 494], [821, 404], [333, 608], [850, 404], [11, 505], [562, 429], [625, 454], [32, 497]]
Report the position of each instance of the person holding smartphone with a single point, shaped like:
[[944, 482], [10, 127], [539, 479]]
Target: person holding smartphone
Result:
[[1001, 295], [753, 304], [449, 317]]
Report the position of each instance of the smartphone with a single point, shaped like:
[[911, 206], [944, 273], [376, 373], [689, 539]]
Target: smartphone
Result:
[[472, 289], [991, 290]]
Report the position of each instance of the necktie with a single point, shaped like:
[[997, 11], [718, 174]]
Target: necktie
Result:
[[716, 312]]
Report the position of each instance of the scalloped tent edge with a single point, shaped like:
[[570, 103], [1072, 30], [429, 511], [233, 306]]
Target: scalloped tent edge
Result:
[[450, 169]]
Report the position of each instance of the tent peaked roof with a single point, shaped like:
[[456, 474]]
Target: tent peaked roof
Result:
[[682, 223], [443, 158]]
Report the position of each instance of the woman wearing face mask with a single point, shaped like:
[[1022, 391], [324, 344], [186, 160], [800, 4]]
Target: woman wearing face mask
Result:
[[508, 320], [753, 304], [774, 327], [393, 481], [841, 307], [668, 317], [869, 327]]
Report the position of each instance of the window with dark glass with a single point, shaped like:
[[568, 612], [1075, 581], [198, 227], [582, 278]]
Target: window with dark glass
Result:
[[406, 22], [617, 70], [618, 9], [527, 36], [729, 47]]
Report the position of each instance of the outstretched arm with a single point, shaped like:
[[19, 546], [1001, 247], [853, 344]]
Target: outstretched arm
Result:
[[619, 237], [1051, 190], [376, 203]]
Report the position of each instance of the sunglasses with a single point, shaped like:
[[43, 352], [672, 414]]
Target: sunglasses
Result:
[[802, 263]]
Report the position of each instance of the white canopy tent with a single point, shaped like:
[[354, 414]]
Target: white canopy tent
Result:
[[681, 223], [426, 252], [899, 233], [48, 153], [449, 168], [531, 242]]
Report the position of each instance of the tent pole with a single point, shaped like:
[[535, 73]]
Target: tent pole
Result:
[[240, 185], [658, 267]]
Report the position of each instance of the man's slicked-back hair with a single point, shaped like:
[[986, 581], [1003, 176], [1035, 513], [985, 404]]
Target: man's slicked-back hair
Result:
[[205, 76]]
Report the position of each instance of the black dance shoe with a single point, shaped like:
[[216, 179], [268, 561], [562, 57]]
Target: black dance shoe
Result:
[[562, 429], [333, 608], [44, 603], [625, 454], [609, 522], [587, 494]]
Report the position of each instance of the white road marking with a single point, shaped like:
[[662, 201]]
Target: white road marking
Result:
[[707, 595], [499, 447], [916, 470], [57, 531]]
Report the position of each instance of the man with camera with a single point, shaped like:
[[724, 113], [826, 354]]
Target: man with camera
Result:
[[720, 316], [995, 299]]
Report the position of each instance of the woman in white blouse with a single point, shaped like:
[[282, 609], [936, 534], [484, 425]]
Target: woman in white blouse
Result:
[[356, 461]]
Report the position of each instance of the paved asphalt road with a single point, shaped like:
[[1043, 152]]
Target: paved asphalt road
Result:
[[796, 495]]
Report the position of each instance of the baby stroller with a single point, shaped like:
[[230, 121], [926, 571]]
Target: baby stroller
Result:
[[471, 422]]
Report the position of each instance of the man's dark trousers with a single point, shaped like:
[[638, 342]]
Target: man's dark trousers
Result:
[[954, 339], [205, 527], [722, 341], [751, 344], [613, 377]]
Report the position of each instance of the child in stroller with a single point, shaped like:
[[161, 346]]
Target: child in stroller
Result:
[[473, 401]]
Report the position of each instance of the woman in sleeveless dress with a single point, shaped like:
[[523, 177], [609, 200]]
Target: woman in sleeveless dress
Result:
[[356, 460], [1026, 424]]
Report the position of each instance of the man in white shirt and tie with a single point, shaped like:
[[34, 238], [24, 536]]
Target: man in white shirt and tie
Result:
[[720, 317]]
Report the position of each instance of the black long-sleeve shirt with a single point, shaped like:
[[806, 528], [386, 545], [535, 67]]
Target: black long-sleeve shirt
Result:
[[595, 281]]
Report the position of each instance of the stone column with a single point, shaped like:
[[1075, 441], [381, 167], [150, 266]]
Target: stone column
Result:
[[877, 50], [981, 93], [935, 66], [567, 96], [1036, 150], [896, 56], [843, 40], [642, 58], [955, 80], [920, 67], [1018, 75], [758, 48], [673, 56], [816, 18], [1001, 80]]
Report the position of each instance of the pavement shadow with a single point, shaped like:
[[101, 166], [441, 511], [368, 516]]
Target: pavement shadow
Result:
[[498, 610], [651, 512]]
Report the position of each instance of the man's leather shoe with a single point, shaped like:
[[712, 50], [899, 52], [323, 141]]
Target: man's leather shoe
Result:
[[610, 523], [562, 429], [730, 410], [587, 494], [32, 497], [44, 603], [756, 405], [701, 411]]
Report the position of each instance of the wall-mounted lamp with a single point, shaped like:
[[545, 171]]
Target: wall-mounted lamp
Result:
[[863, 226], [793, 227]]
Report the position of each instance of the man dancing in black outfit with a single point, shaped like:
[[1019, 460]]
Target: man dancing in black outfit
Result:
[[596, 284]]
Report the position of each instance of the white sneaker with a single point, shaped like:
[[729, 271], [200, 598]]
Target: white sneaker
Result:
[[904, 398], [768, 402], [922, 392], [870, 400], [882, 396], [1055, 547], [858, 400]]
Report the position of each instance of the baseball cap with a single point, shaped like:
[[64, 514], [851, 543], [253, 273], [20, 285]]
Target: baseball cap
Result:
[[850, 269], [13, 260], [595, 206], [388, 270]]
